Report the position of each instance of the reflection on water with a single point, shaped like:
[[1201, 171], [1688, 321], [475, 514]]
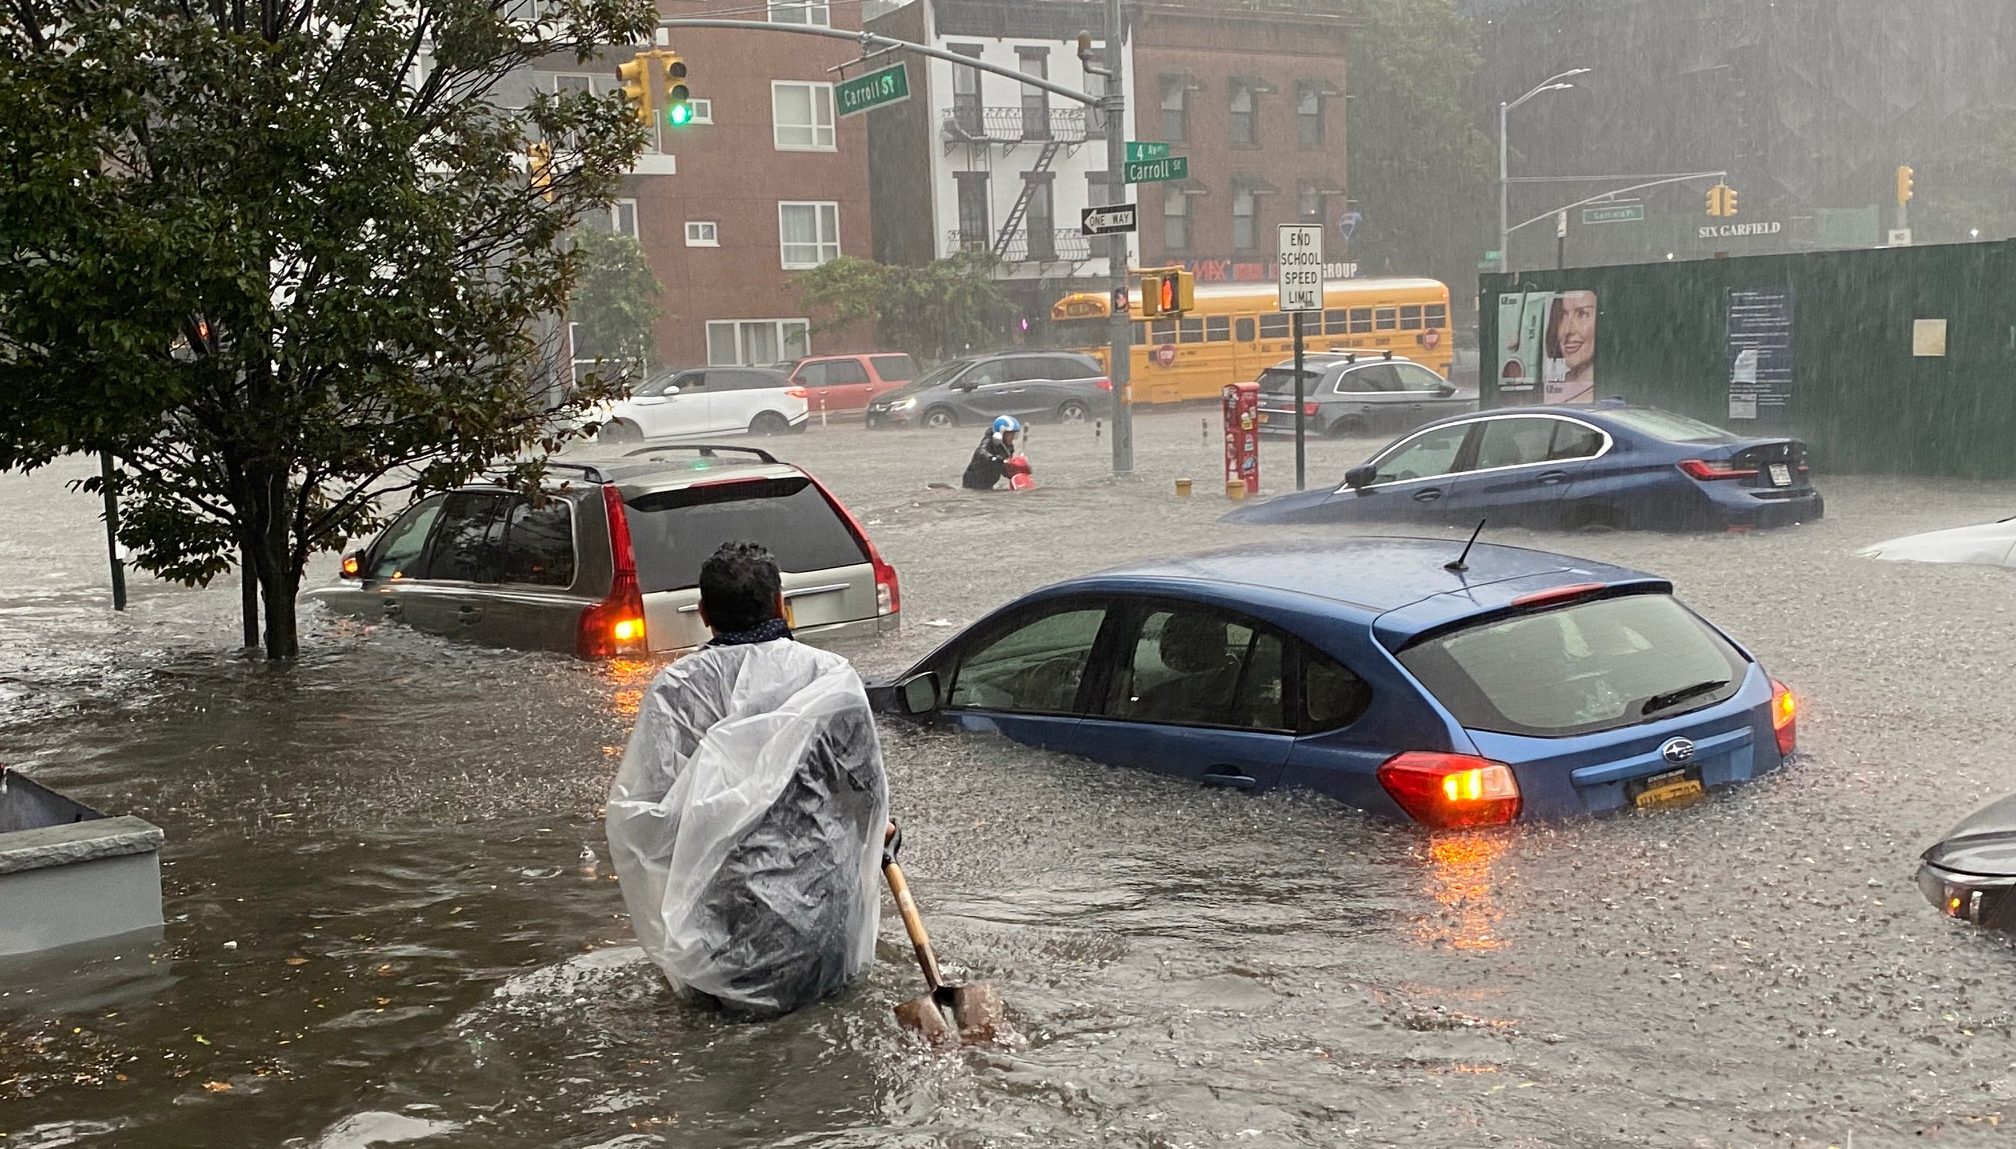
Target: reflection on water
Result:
[[1460, 879]]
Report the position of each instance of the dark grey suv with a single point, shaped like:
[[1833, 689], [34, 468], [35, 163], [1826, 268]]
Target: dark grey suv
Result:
[[1033, 386], [607, 561], [1357, 393]]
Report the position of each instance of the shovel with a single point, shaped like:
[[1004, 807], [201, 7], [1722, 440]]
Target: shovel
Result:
[[975, 1010]]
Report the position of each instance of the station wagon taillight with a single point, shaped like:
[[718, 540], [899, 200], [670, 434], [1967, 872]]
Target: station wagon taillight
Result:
[[1708, 470], [1449, 791], [615, 625], [1103, 383]]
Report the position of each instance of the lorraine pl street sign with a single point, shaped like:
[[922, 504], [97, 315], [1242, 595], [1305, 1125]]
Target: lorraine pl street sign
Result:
[[1152, 171], [1106, 220], [875, 89], [1614, 213]]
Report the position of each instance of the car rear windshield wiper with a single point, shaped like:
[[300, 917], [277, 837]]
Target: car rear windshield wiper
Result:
[[1662, 701]]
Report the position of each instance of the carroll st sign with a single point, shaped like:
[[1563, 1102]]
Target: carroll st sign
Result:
[[1736, 230], [1252, 271]]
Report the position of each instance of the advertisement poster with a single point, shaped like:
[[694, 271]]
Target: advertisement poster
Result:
[[1547, 350], [1760, 354]]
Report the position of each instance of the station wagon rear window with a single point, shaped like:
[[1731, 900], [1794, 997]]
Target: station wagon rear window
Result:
[[1579, 669], [673, 532]]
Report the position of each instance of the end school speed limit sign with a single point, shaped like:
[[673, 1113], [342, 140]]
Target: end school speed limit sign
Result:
[[1299, 256]]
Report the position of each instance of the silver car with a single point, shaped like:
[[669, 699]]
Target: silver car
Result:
[[606, 562], [1357, 393]]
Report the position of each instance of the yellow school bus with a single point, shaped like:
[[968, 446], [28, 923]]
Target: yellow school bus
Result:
[[1235, 332]]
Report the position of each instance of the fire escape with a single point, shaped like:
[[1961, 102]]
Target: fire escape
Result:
[[980, 131]]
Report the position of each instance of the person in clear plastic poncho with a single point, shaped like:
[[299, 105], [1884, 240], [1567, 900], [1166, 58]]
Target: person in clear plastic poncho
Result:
[[747, 820]]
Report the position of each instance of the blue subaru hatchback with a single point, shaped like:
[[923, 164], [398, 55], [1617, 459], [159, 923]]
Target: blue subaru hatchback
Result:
[[1394, 675], [1607, 464]]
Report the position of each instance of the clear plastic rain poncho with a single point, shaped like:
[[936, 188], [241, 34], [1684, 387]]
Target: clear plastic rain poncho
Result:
[[746, 825]]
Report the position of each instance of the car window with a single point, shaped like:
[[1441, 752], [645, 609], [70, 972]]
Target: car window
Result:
[[539, 543], [989, 371], [1414, 377], [673, 532], [1574, 441], [690, 380], [1429, 453], [1281, 381], [1369, 378], [746, 380], [394, 554], [656, 386], [1514, 442], [1074, 367], [1579, 669], [811, 375], [1332, 696], [464, 547], [894, 368], [1033, 668], [1194, 667], [1028, 367], [845, 372]]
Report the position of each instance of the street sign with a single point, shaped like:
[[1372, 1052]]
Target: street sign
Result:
[[875, 89], [1900, 237], [1153, 171], [1614, 213], [1561, 225], [1138, 150], [1107, 220], [1492, 259], [1299, 256]]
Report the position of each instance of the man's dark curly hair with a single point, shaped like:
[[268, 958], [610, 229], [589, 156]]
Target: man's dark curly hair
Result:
[[739, 586]]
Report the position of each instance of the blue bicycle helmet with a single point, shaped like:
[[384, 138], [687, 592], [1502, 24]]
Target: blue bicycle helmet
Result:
[[1007, 423]]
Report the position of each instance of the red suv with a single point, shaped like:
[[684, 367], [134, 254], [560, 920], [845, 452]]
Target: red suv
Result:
[[845, 383]]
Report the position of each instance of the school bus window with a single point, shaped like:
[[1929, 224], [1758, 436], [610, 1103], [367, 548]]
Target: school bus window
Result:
[[1162, 331], [1437, 315], [1245, 331], [1385, 319], [1192, 331], [1410, 318], [1217, 328], [1140, 329], [1274, 326], [1337, 322], [1361, 320]]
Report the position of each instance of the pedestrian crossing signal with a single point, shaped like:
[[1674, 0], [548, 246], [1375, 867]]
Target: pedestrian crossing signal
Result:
[[1169, 292]]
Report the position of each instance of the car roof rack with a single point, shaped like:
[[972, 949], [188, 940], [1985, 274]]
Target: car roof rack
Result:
[[587, 472], [704, 450]]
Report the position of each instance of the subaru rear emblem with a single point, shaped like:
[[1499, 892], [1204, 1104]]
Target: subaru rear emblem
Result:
[[1677, 750]]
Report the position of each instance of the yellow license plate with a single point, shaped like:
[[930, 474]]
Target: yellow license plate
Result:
[[1677, 792]]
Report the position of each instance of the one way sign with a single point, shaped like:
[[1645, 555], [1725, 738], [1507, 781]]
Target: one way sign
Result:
[[1107, 220]]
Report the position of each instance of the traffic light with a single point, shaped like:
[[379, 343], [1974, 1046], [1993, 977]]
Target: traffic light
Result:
[[1721, 200], [678, 110], [1168, 292], [1904, 174], [539, 169], [635, 74]]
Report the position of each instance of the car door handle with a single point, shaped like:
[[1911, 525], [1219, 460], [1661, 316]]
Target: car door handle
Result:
[[1553, 477], [1230, 779], [1428, 495]]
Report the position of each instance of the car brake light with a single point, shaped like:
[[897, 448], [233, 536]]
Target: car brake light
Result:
[[795, 392], [888, 589], [1710, 469], [1784, 717], [616, 624], [1103, 383], [1447, 791], [1309, 408], [1557, 594]]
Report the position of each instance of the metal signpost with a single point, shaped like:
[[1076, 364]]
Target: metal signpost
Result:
[[1299, 257], [877, 89]]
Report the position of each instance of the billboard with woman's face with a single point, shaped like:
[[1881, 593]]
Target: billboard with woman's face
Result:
[[1547, 347], [1571, 348]]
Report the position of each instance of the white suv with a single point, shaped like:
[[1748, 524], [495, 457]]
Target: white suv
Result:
[[707, 401]]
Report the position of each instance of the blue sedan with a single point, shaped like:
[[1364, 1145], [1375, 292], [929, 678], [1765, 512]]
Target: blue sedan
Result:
[[1395, 675], [1608, 464]]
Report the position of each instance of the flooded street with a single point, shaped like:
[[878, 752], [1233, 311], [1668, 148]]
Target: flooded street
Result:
[[391, 921]]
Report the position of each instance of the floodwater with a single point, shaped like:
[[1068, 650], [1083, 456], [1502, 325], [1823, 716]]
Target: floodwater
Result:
[[391, 923]]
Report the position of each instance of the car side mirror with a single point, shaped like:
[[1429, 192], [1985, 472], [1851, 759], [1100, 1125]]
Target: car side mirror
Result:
[[1445, 390], [1360, 476], [353, 565], [918, 693]]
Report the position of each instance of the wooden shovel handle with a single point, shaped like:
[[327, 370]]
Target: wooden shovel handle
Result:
[[913, 924]]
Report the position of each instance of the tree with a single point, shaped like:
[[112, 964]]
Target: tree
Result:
[[615, 304], [933, 312], [283, 261], [1419, 168]]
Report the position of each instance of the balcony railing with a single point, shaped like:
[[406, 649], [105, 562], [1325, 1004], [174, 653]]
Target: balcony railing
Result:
[[1014, 125], [1060, 245]]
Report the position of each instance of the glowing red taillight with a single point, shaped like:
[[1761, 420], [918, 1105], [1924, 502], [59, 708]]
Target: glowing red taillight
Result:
[[1309, 408], [1103, 383], [616, 624], [1708, 470], [1446, 791], [1784, 717]]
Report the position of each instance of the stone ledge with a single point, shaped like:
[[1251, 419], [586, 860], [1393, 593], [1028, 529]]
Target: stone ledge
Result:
[[85, 841]]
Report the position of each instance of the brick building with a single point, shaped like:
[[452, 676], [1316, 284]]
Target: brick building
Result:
[[766, 182], [1256, 101]]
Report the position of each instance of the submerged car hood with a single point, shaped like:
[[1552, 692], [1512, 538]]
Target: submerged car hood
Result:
[[1983, 843], [1990, 543], [1292, 508]]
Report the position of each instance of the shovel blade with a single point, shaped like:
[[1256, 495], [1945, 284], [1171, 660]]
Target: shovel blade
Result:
[[977, 1010], [924, 1017]]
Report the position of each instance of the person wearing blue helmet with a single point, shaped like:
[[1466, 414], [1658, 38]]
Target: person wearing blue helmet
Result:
[[990, 459]]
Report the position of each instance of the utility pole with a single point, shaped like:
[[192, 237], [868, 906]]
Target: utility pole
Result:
[[1551, 84], [1120, 336]]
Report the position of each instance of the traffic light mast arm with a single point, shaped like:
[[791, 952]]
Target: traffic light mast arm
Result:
[[1550, 213]]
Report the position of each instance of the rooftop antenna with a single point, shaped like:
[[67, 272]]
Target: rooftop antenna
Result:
[[1459, 566]]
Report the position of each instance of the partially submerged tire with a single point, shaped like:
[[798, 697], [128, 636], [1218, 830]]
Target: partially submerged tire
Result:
[[939, 418], [769, 423], [1073, 411], [620, 431]]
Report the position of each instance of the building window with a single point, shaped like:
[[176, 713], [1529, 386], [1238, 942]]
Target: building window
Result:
[[756, 342], [803, 114], [703, 111], [1309, 115], [1245, 127], [703, 233], [966, 90], [808, 233], [974, 228], [1175, 109], [623, 217], [1245, 221], [1035, 101], [1309, 203], [800, 12], [1042, 216], [1175, 220]]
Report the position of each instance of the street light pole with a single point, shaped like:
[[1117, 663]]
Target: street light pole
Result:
[[1550, 84], [1120, 324]]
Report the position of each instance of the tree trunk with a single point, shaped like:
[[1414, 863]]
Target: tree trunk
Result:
[[248, 596], [282, 641], [269, 546]]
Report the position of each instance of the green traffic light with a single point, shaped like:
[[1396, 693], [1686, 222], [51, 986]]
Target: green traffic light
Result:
[[679, 115]]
